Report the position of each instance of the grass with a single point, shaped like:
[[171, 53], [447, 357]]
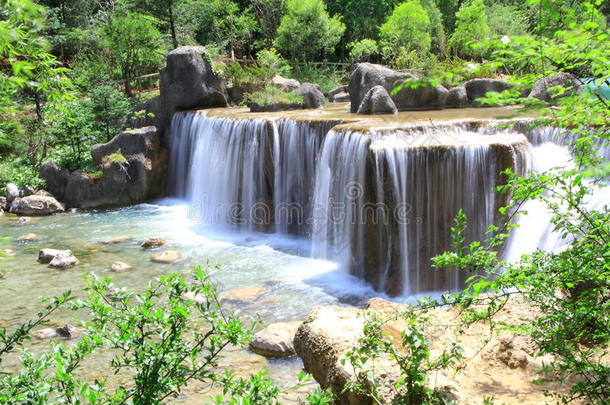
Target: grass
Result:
[[271, 95], [328, 77], [116, 157]]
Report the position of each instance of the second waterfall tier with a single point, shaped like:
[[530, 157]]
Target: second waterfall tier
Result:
[[380, 201]]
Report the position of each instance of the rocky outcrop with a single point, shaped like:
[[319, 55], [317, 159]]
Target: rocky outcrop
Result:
[[135, 173], [188, 82], [377, 101], [36, 205], [367, 75], [568, 81], [275, 340], [478, 88], [312, 95], [457, 97]]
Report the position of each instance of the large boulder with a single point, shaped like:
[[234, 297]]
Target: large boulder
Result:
[[11, 191], [312, 95], [478, 88], [457, 97], [368, 75], [344, 89], [36, 205], [136, 175], [377, 101], [541, 87], [188, 82]]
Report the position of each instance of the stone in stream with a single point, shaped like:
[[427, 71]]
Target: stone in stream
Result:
[[36, 205], [192, 296], [4, 206], [243, 295], [117, 240], [44, 334], [167, 257], [64, 260], [275, 340], [46, 255], [478, 88], [120, 266], [568, 81], [29, 237], [312, 95], [2, 275], [457, 97], [153, 243], [68, 331], [25, 220]]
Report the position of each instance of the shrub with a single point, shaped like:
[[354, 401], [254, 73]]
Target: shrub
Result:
[[20, 171], [363, 50], [272, 61], [271, 95]]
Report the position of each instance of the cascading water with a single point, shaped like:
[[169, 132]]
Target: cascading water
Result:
[[379, 203]]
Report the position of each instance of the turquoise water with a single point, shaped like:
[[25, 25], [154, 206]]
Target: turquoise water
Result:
[[293, 283]]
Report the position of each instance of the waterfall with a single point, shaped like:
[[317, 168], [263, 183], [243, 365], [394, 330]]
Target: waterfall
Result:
[[385, 203], [380, 203]]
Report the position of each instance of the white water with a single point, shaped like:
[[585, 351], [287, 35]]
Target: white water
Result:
[[379, 205]]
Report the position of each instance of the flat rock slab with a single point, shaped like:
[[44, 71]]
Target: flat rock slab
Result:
[[275, 340], [243, 295], [36, 205], [167, 257], [117, 240], [29, 237]]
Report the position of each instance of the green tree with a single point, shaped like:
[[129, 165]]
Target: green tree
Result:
[[307, 31], [269, 13], [164, 10], [471, 26], [362, 17], [407, 28], [133, 44]]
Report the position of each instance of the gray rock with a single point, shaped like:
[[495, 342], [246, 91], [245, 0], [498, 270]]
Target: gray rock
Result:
[[146, 114], [4, 204], [237, 93], [312, 95], [341, 98], [68, 332], [153, 243], [188, 82], [36, 205], [457, 97], [337, 90], [275, 340], [285, 83], [478, 88], [44, 193], [63, 260], [28, 190], [566, 80], [377, 101], [368, 75], [139, 178], [46, 255], [11, 191], [167, 257]]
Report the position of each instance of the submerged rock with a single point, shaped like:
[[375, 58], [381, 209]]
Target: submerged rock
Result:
[[153, 243], [377, 101], [44, 334], [275, 340], [29, 237], [117, 240], [24, 220], [36, 205], [243, 295], [68, 331], [169, 256], [64, 260], [120, 266]]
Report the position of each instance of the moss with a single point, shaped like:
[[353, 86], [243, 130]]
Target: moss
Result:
[[114, 157], [95, 175]]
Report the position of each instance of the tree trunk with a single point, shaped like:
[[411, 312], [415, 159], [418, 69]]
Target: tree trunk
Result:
[[172, 24]]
